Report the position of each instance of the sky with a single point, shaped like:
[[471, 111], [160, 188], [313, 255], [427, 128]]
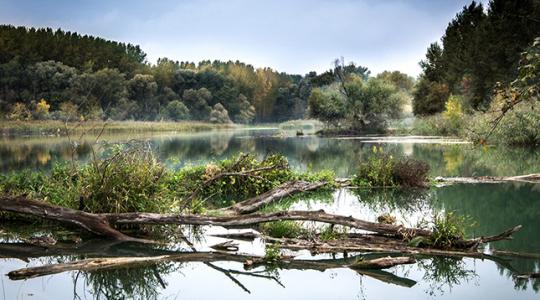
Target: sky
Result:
[[294, 36]]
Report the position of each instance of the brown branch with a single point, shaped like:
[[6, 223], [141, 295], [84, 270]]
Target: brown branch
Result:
[[94, 223], [284, 190]]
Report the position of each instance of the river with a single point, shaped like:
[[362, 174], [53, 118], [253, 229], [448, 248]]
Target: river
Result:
[[494, 207]]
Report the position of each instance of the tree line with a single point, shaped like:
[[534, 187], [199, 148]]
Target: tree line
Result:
[[479, 51], [63, 75]]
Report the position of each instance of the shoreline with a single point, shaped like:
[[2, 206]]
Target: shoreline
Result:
[[59, 128]]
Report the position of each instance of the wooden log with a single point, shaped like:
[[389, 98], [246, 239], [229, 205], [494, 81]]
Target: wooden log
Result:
[[285, 190], [529, 178], [94, 223], [382, 263], [100, 223], [258, 218]]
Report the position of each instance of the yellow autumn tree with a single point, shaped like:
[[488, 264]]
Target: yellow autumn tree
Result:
[[42, 109], [453, 115]]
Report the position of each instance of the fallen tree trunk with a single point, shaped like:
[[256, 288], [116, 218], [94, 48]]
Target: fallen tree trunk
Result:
[[258, 218], [101, 223], [285, 190], [94, 223], [529, 178]]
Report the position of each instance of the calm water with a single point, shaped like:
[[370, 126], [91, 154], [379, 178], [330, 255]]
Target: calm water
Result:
[[494, 207]]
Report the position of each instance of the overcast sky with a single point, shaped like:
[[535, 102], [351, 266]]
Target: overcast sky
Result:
[[291, 36]]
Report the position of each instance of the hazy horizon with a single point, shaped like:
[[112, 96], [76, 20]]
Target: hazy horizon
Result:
[[293, 37]]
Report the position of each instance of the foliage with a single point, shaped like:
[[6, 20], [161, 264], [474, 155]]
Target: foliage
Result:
[[68, 111], [219, 115], [386, 218], [448, 228], [327, 104], [283, 229], [519, 127], [429, 97], [356, 103], [20, 112], [376, 171], [130, 180], [410, 172], [450, 123], [228, 189], [176, 111], [42, 110], [115, 82], [383, 170], [331, 232], [480, 47], [272, 253]]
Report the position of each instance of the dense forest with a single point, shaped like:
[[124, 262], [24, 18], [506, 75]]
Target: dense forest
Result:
[[64, 75], [480, 48]]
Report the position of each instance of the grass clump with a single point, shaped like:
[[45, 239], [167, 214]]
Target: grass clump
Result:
[[447, 228], [283, 229], [272, 253], [383, 170], [129, 180], [331, 232]]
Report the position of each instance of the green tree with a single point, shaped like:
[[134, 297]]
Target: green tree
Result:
[[176, 111], [197, 103], [142, 90], [219, 115], [247, 111]]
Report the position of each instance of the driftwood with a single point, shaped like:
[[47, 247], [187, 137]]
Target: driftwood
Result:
[[529, 178], [94, 223], [101, 223], [285, 190], [95, 264]]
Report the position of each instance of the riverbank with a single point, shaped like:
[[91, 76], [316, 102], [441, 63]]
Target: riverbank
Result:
[[59, 128]]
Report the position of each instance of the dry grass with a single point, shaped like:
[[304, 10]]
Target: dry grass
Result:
[[50, 127]]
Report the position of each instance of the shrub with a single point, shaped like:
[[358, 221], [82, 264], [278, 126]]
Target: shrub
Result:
[[448, 228], [383, 170], [20, 112], [453, 116], [128, 181], [410, 172], [376, 171]]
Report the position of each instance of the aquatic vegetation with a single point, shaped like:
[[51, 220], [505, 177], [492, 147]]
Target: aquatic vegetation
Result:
[[283, 229], [272, 253], [448, 228], [383, 170], [131, 179], [331, 232]]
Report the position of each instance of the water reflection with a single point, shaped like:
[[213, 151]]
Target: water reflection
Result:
[[494, 207], [341, 155]]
